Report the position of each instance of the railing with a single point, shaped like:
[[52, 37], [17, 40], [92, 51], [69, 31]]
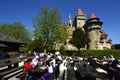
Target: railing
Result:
[[10, 69]]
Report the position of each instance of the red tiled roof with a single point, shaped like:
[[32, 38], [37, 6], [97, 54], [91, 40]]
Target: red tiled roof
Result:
[[101, 31], [80, 12], [92, 15], [103, 37], [109, 41]]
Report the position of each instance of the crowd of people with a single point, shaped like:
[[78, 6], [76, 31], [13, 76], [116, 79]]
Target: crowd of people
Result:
[[109, 60], [48, 62]]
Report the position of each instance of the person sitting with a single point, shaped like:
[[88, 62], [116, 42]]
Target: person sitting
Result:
[[34, 62], [49, 70], [115, 64], [58, 59], [27, 65], [48, 56], [112, 58], [108, 59]]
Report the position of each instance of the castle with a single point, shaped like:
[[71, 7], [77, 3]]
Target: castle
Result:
[[92, 27]]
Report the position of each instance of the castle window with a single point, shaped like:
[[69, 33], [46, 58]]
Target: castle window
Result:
[[96, 46], [97, 32]]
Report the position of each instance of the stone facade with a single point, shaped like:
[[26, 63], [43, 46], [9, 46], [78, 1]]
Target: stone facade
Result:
[[92, 27]]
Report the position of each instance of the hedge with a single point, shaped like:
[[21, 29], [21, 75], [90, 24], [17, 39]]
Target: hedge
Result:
[[96, 53]]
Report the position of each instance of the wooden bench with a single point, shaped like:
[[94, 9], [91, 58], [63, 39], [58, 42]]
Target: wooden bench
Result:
[[54, 74], [10, 73], [21, 76], [71, 73]]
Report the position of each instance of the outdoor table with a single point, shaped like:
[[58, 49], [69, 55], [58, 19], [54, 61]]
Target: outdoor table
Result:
[[116, 68], [37, 72], [112, 72], [89, 72], [76, 60]]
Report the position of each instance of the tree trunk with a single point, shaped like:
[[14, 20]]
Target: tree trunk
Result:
[[44, 51], [78, 51]]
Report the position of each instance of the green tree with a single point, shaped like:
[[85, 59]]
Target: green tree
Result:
[[79, 39], [62, 50], [61, 34], [45, 25], [115, 46], [36, 45], [17, 31]]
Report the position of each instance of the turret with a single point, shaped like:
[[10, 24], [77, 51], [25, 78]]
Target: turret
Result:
[[93, 22], [69, 21], [92, 27], [79, 19]]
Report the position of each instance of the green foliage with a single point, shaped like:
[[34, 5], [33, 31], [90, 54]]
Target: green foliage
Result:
[[36, 45], [62, 50], [61, 34], [79, 39], [17, 31], [112, 47], [115, 46], [96, 53], [24, 49], [45, 25]]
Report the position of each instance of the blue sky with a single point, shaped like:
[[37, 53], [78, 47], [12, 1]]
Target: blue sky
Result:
[[24, 10]]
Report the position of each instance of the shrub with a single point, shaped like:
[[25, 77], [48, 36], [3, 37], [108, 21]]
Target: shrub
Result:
[[96, 53]]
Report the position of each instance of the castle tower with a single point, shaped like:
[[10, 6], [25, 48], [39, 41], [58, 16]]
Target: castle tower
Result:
[[92, 28], [70, 30], [69, 21], [80, 19]]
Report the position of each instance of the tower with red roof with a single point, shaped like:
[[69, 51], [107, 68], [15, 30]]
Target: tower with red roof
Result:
[[92, 26], [79, 19]]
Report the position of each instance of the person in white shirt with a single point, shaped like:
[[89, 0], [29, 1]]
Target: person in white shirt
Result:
[[57, 53], [59, 57], [49, 69], [53, 61], [34, 61], [48, 56]]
